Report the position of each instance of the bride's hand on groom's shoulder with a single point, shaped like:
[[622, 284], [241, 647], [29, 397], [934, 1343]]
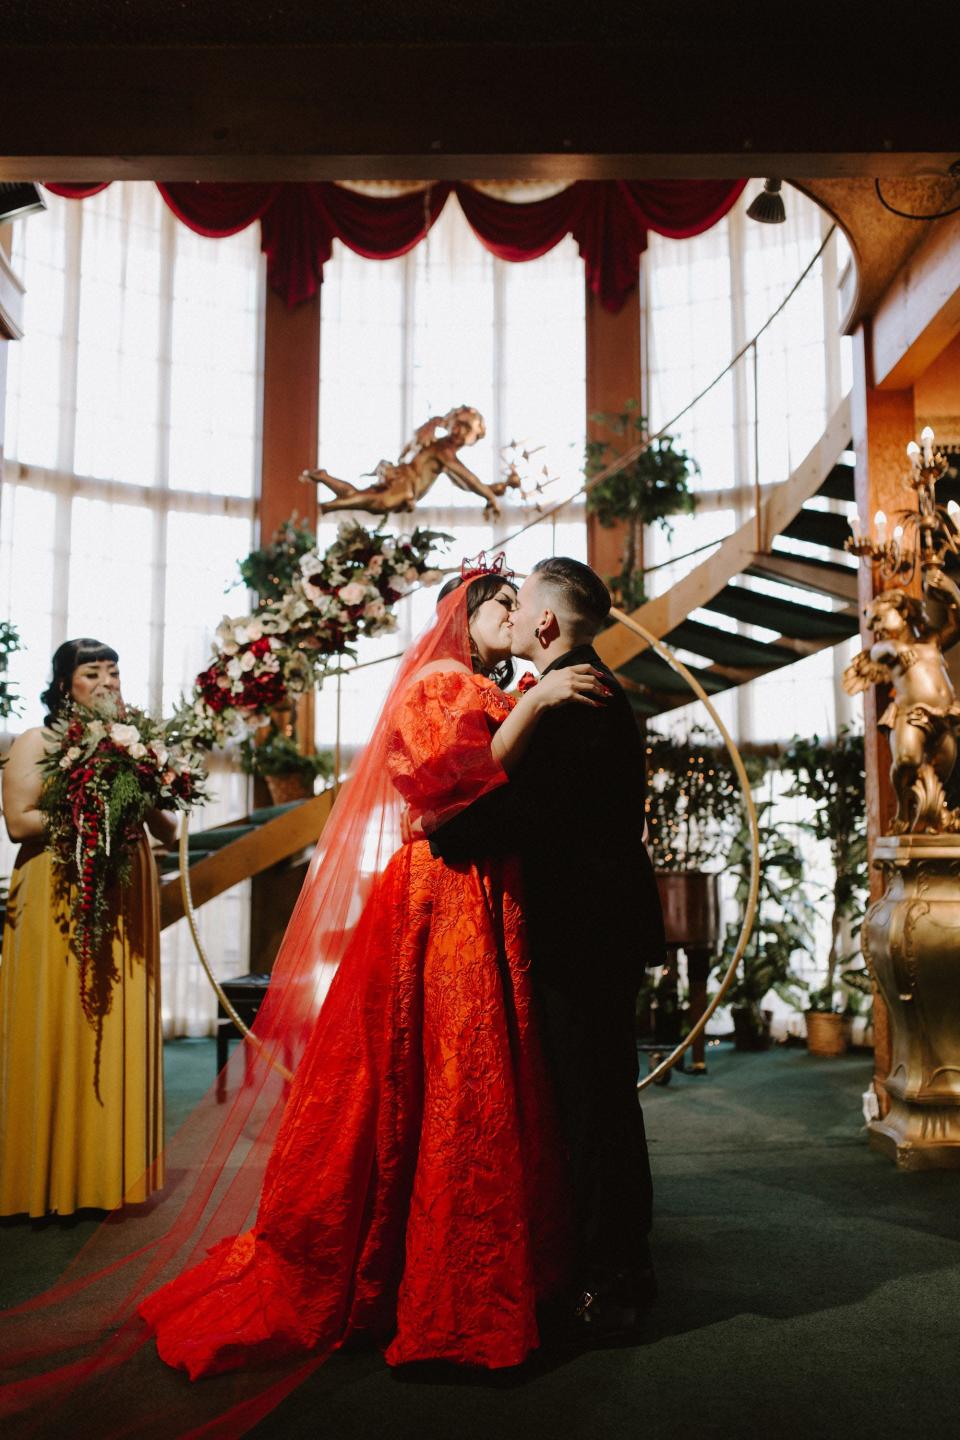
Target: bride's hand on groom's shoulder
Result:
[[578, 683]]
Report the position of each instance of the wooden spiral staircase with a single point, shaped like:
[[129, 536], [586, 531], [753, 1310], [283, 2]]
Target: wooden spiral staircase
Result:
[[718, 591], [693, 616]]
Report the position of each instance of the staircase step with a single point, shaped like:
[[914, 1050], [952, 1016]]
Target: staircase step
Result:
[[798, 622], [838, 484], [819, 527], [825, 577], [723, 648]]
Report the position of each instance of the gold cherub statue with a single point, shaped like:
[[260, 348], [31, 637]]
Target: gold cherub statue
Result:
[[907, 652], [399, 486]]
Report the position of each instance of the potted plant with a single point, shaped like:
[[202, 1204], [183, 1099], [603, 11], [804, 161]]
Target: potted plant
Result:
[[693, 808], [783, 928], [10, 643], [289, 774], [831, 775], [647, 491]]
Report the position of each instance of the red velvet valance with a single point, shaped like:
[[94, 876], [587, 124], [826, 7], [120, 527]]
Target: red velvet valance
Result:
[[609, 219]]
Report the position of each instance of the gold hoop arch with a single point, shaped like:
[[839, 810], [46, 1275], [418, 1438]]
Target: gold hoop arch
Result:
[[191, 914], [751, 910], [748, 918]]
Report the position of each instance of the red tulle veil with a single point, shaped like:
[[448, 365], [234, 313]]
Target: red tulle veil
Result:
[[78, 1351]]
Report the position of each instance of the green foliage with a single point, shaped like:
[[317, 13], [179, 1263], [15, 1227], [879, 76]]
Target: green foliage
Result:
[[693, 801], [831, 775], [10, 643], [279, 755], [271, 570], [785, 917], [654, 486]]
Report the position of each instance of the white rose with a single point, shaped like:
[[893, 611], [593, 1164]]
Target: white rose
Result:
[[136, 750], [65, 762], [375, 565], [352, 594], [161, 754], [254, 629], [240, 635], [73, 753], [411, 574], [125, 735], [375, 610], [96, 730], [235, 669], [247, 661]]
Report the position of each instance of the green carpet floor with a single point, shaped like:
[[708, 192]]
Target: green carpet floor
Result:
[[808, 1289]]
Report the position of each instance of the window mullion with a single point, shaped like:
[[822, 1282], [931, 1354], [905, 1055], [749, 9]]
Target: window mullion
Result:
[[158, 588]]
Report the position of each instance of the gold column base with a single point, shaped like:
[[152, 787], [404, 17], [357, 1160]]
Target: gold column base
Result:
[[918, 1137], [911, 939]]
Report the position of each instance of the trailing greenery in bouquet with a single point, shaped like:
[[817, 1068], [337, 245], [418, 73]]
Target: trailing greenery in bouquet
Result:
[[108, 766], [287, 647]]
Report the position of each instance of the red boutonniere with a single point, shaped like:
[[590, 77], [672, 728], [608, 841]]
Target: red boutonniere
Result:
[[526, 682]]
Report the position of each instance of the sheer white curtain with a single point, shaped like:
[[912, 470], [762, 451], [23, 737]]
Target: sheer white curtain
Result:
[[446, 325], [133, 441]]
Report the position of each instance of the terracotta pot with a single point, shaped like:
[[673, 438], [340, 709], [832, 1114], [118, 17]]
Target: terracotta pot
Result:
[[691, 907], [289, 786], [827, 1033]]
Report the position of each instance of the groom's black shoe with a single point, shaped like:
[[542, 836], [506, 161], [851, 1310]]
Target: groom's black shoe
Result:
[[611, 1309]]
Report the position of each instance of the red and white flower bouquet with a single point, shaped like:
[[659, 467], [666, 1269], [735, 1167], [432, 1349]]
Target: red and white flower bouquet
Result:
[[105, 768]]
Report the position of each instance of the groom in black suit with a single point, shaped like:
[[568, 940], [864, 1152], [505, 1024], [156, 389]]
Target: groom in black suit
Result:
[[574, 811]]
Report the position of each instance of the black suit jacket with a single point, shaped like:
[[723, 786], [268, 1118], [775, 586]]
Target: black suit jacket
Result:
[[574, 812]]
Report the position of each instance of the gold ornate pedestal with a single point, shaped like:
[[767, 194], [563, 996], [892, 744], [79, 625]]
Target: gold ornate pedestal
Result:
[[911, 939]]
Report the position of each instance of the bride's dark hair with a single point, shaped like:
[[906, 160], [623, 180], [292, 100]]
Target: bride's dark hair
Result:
[[66, 658], [480, 590]]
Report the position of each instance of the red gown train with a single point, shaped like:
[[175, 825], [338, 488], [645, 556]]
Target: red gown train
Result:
[[415, 1192]]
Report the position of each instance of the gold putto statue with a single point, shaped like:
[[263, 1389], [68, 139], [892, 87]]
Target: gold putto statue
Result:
[[399, 486], [909, 638], [907, 653]]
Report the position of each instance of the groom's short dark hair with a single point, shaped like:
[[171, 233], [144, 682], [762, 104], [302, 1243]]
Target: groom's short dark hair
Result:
[[580, 592]]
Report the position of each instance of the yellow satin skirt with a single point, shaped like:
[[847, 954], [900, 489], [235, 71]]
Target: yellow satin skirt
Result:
[[81, 1101]]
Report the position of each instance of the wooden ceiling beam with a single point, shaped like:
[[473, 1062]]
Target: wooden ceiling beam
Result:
[[669, 106]]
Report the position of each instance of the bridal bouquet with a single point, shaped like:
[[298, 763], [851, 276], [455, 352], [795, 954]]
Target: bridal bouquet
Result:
[[107, 767], [260, 661]]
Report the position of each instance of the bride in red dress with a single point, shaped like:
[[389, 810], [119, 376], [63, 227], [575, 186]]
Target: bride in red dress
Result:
[[415, 1189]]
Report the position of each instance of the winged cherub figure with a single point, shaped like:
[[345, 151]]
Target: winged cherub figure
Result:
[[907, 653], [398, 487]]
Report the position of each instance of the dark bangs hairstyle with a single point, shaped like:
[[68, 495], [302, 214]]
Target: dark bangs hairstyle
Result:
[[69, 657], [483, 588]]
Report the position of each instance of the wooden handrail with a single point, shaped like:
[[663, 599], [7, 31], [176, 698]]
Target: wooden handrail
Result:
[[275, 840], [618, 645]]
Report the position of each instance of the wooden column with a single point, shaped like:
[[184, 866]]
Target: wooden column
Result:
[[614, 375], [291, 404], [883, 422]]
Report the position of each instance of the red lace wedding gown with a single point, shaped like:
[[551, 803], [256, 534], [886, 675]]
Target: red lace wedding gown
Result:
[[415, 1188]]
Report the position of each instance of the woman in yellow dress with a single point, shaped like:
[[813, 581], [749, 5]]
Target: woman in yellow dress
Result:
[[81, 1101]]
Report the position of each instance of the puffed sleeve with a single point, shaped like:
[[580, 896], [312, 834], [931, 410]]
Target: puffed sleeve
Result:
[[439, 751]]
